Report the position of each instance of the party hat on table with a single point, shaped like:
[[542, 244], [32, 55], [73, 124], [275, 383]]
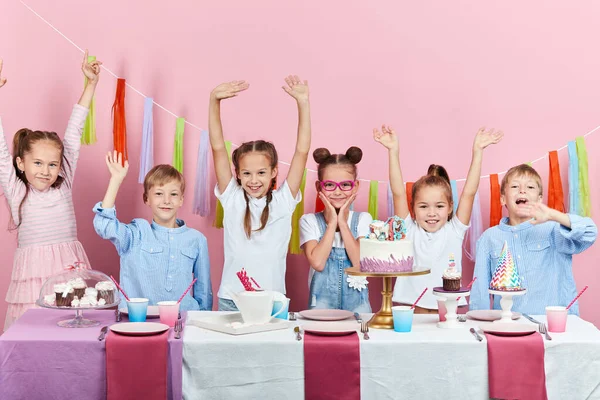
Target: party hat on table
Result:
[[506, 277]]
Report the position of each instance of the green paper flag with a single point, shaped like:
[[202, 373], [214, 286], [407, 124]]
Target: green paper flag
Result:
[[373, 198], [178, 146], [298, 212], [219, 213], [89, 129], [585, 206]]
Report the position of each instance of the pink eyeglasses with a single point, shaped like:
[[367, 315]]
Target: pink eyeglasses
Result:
[[330, 186]]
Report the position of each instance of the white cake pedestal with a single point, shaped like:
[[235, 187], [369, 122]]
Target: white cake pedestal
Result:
[[451, 303], [507, 302]]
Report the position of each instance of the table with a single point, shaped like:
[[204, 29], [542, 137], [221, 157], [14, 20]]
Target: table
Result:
[[427, 363], [40, 360]]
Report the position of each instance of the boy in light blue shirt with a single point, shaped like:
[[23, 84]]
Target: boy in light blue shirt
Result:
[[158, 259], [542, 241]]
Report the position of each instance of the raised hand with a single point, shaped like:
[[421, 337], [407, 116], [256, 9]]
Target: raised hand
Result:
[[114, 161], [229, 89], [329, 212], [91, 70], [387, 137], [296, 88], [539, 213], [345, 210], [484, 138], [2, 80]]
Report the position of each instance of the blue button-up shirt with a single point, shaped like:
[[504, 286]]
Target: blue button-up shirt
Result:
[[543, 255], [158, 263]]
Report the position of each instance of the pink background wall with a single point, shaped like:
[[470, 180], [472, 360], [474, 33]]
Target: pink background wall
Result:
[[436, 71]]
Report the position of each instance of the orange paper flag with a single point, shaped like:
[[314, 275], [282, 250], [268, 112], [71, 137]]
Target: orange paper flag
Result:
[[409, 187], [556, 198], [495, 205], [319, 206], [119, 126]]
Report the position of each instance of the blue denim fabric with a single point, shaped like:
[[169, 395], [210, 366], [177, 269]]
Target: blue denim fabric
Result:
[[329, 288]]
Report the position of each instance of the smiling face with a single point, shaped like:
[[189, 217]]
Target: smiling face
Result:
[[41, 165], [432, 207], [345, 177], [164, 201], [519, 191], [256, 174]]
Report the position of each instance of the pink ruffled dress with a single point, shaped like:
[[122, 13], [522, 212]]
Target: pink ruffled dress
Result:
[[47, 235]]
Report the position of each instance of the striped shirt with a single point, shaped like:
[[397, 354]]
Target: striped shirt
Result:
[[158, 263], [543, 255], [47, 217]]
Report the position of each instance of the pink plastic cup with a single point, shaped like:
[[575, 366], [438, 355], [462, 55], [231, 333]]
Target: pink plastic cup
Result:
[[557, 318], [442, 310], [168, 312]]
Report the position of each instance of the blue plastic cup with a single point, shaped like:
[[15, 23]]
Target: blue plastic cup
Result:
[[137, 308], [403, 318], [278, 305]]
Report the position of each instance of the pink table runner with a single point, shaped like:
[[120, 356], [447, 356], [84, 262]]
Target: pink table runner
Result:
[[331, 367], [516, 367]]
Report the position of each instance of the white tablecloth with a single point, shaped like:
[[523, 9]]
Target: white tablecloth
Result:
[[428, 363]]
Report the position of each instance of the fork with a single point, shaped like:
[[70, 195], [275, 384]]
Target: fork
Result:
[[292, 316], [461, 318], [364, 328], [178, 328], [544, 331]]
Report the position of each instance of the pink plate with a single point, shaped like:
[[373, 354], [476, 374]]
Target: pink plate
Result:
[[339, 328], [508, 329], [139, 328], [489, 315], [325, 315]]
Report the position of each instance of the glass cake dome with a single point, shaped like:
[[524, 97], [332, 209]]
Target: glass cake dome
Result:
[[78, 289]]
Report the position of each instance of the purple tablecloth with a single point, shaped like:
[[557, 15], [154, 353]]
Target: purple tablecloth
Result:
[[40, 360]]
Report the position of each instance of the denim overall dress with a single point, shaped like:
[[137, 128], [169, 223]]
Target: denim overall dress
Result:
[[329, 288]]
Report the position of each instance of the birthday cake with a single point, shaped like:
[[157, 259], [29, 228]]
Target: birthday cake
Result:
[[385, 248], [506, 277]]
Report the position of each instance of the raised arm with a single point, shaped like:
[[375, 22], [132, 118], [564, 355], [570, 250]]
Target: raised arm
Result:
[[91, 70], [117, 175], [215, 130], [299, 91], [388, 139], [482, 140]]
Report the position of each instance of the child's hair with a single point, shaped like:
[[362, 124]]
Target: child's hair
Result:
[[324, 158], [23, 143], [436, 176], [268, 150], [522, 170], [159, 176]]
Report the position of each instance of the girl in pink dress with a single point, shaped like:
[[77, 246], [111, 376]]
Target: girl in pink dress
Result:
[[37, 181]]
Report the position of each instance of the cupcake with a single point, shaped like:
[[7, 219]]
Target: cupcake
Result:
[[106, 291], [64, 294], [50, 299], [451, 277], [85, 302], [75, 302], [91, 292], [78, 285]]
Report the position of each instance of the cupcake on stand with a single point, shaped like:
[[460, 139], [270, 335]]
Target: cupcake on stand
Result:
[[450, 292], [506, 282]]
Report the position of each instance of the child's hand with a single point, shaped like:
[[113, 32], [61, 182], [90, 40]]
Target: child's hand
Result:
[[296, 88], [539, 213], [483, 139], [387, 137], [329, 213], [91, 70], [114, 162], [229, 89], [345, 210], [2, 80]]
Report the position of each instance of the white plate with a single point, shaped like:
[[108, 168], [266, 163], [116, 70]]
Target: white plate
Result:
[[331, 328], [489, 315], [233, 324], [508, 329], [151, 313], [139, 328], [318, 314]]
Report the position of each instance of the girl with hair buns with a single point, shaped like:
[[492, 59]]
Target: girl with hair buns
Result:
[[257, 217], [435, 231], [330, 238]]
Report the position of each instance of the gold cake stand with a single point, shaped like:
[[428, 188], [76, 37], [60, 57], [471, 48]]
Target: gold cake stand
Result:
[[383, 319]]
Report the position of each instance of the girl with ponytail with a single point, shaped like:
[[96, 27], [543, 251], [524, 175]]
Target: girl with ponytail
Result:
[[257, 217]]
